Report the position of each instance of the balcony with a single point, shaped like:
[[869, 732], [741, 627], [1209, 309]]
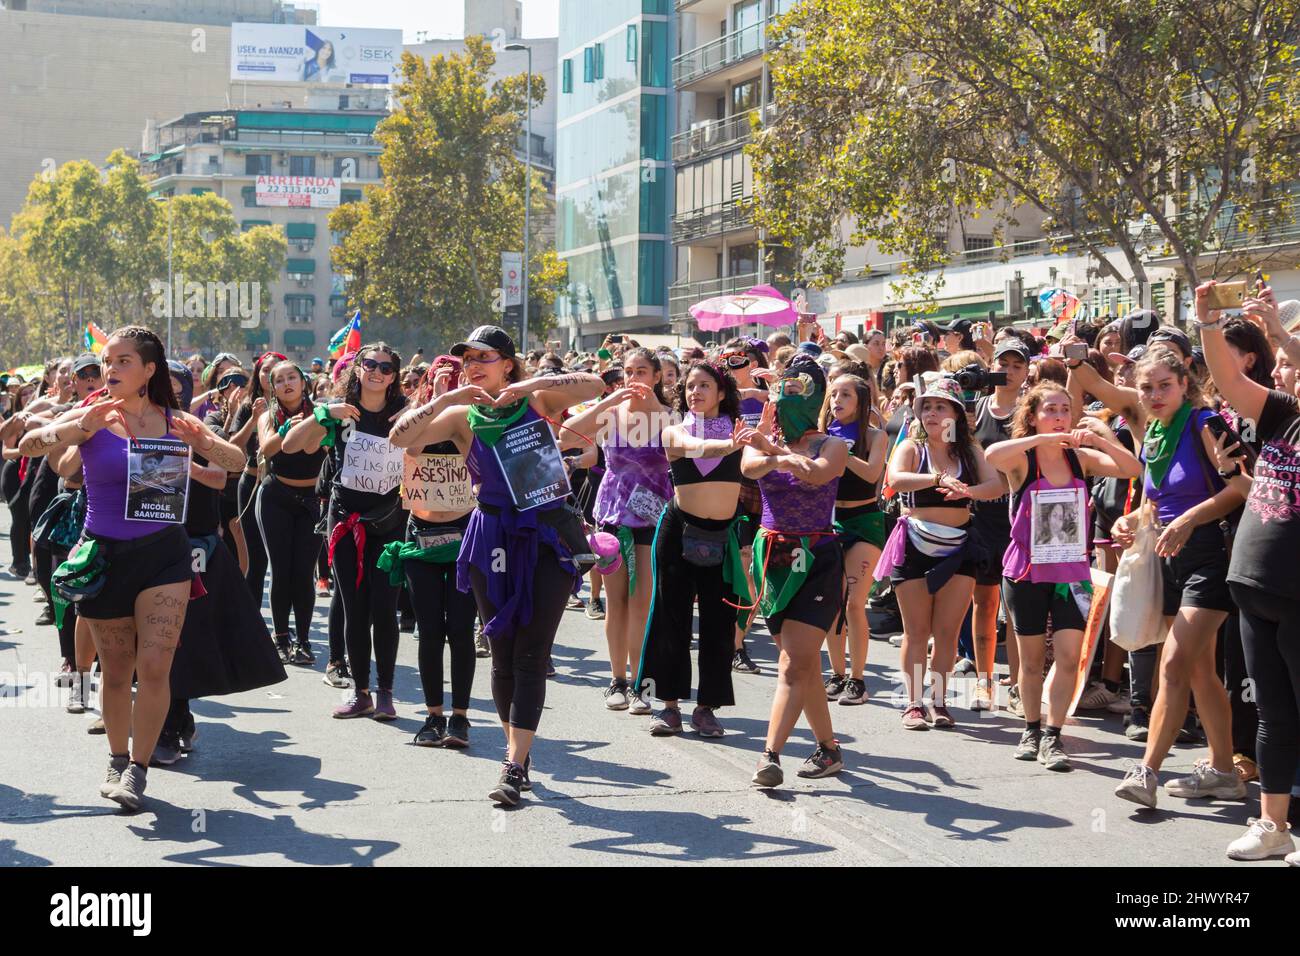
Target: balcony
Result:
[[712, 220], [715, 137], [734, 47], [683, 295]]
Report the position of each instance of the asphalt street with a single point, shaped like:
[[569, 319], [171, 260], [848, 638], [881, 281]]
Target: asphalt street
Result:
[[275, 780]]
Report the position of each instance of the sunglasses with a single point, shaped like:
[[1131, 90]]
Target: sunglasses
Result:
[[482, 359], [229, 380], [87, 375], [385, 368]]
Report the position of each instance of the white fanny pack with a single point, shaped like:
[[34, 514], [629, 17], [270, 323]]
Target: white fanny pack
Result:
[[935, 540]]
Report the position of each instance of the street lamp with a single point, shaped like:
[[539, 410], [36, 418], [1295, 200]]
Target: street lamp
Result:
[[528, 181]]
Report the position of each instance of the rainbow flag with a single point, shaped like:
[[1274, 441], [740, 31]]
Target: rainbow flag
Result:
[[95, 338], [348, 338]]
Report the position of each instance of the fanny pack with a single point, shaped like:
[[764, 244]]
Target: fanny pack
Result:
[[781, 549], [429, 538], [935, 540], [704, 547], [81, 576], [60, 522], [568, 524]]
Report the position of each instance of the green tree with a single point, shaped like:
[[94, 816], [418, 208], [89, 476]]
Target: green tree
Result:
[[1139, 129], [424, 249]]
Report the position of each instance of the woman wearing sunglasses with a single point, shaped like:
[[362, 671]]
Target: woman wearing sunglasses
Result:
[[633, 493], [229, 390], [243, 433], [520, 570], [365, 515], [742, 358]]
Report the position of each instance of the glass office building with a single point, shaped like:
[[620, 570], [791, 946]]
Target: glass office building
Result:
[[611, 165]]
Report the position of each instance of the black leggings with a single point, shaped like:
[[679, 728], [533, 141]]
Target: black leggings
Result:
[[20, 527], [1270, 637], [519, 656], [257, 561], [68, 632], [372, 606], [287, 518], [666, 654], [1245, 712], [444, 616]]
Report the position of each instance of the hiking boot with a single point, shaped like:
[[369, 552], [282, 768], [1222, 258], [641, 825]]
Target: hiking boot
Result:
[[825, 761], [1205, 781], [433, 733], [115, 767], [666, 722], [768, 772], [129, 791], [1139, 785], [704, 723]]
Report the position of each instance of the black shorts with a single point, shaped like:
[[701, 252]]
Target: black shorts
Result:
[[991, 525], [1197, 576], [818, 601], [136, 565], [645, 536], [1031, 604], [917, 565]]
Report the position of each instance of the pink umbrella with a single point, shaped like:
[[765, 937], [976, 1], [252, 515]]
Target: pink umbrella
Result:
[[760, 304]]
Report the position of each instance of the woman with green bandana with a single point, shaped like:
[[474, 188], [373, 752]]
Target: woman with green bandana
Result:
[[519, 562], [861, 525], [1190, 499], [1046, 571], [696, 553], [798, 565], [633, 493]]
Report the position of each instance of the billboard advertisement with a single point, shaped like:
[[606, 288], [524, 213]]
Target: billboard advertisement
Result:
[[318, 192], [287, 53]]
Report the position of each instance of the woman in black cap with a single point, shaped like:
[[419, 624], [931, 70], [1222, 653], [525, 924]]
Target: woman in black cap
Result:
[[519, 562]]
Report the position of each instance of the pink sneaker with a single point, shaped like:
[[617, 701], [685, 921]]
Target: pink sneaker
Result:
[[914, 718], [384, 709], [358, 705], [940, 717]]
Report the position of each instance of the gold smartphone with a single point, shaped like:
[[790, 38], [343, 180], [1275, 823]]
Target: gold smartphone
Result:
[[1227, 295]]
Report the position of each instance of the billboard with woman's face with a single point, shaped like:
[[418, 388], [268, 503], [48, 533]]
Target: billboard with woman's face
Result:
[[285, 53]]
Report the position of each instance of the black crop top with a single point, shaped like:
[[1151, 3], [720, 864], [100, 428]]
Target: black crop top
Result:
[[931, 497], [685, 472], [296, 465]]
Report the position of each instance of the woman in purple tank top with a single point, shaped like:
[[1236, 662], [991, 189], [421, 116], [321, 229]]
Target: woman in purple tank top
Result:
[[632, 497], [131, 577], [511, 558]]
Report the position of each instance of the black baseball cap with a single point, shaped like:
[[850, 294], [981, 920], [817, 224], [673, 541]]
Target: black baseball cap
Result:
[[85, 360], [487, 338], [955, 327], [1167, 333], [1010, 345]]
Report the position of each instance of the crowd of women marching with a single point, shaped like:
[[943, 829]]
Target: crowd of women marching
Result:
[[968, 484]]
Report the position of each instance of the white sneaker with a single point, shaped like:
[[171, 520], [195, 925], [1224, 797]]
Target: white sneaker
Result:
[[1263, 839], [638, 704], [1205, 781], [1292, 859], [616, 696], [1139, 785], [1097, 697], [895, 640]]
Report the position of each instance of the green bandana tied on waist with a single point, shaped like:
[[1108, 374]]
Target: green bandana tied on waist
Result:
[[733, 565], [489, 423], [1162, 441], [627, 548], [776, 586], [396, 552], [78, 571]]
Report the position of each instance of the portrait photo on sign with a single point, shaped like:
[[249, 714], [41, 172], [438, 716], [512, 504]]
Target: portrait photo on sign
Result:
[[1058, 530], [158, 480], [532, 466]]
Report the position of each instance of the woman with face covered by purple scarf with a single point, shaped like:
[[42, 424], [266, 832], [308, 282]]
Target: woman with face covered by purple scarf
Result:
[[696, 553]]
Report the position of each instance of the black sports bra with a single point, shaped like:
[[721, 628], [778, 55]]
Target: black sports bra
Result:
[[932, 497], [685, 472]]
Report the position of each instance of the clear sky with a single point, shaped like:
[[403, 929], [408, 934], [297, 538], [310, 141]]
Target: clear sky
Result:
[[441, 18]]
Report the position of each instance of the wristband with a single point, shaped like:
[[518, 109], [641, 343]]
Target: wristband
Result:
[[1218, 323], [284, 429], [1231, 474]]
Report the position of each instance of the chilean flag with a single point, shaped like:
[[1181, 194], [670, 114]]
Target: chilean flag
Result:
[[348, 338]]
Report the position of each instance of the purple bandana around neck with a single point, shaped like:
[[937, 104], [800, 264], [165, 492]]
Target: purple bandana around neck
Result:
[[707, 428]]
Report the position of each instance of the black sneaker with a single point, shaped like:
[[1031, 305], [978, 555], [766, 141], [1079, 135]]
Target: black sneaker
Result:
[[835, 686], [167, 750], [406, 623], [506, 791], [457, 732], [740, 662], [1051, 754], [188, 734], [46, 616], [337, 674], [283, 647], [433, 733], [823, 762], [301, 654], [528, 769], [1139, 723], [1190, 731]]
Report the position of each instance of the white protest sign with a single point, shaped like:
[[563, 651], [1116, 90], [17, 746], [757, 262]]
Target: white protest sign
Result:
[[371, 464], [437, 483]]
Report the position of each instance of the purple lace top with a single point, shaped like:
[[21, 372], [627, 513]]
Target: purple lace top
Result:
[[628, 468]]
